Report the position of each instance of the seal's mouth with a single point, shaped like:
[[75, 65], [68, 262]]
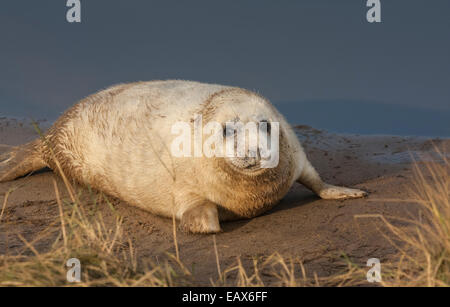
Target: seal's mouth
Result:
[[247, 165]]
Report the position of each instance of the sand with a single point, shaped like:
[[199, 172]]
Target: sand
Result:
[[317, 231]]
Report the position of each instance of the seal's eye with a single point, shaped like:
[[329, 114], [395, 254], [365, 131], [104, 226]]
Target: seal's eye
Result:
[[265, 125]]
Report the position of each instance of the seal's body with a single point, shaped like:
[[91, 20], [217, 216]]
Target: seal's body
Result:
[[119, 141]]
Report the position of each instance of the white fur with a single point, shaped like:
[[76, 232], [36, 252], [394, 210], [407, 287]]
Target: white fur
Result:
[[116, 155], [123, 137]]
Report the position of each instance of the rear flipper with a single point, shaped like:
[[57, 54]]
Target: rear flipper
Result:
[[21, 161]]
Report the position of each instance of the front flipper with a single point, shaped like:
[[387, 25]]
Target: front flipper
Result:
[[201, 218], [333, 192], [311, 179]]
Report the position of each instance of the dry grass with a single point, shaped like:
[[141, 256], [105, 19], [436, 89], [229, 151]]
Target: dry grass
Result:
[[280, 271], [107, 258], [426, 259], [424, 246]]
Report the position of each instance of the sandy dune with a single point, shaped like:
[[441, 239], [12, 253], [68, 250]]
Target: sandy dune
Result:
[[302, 225]]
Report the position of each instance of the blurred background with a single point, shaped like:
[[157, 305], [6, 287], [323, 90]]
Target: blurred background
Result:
[[319, 61]]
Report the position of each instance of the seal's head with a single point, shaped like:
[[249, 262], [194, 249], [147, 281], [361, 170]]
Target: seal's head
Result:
[[249, 130]]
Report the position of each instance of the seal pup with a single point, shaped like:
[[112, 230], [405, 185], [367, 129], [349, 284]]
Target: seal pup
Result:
[[118, 141]]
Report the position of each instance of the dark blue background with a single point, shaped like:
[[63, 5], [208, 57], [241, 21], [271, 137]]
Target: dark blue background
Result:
[[319, 61]]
